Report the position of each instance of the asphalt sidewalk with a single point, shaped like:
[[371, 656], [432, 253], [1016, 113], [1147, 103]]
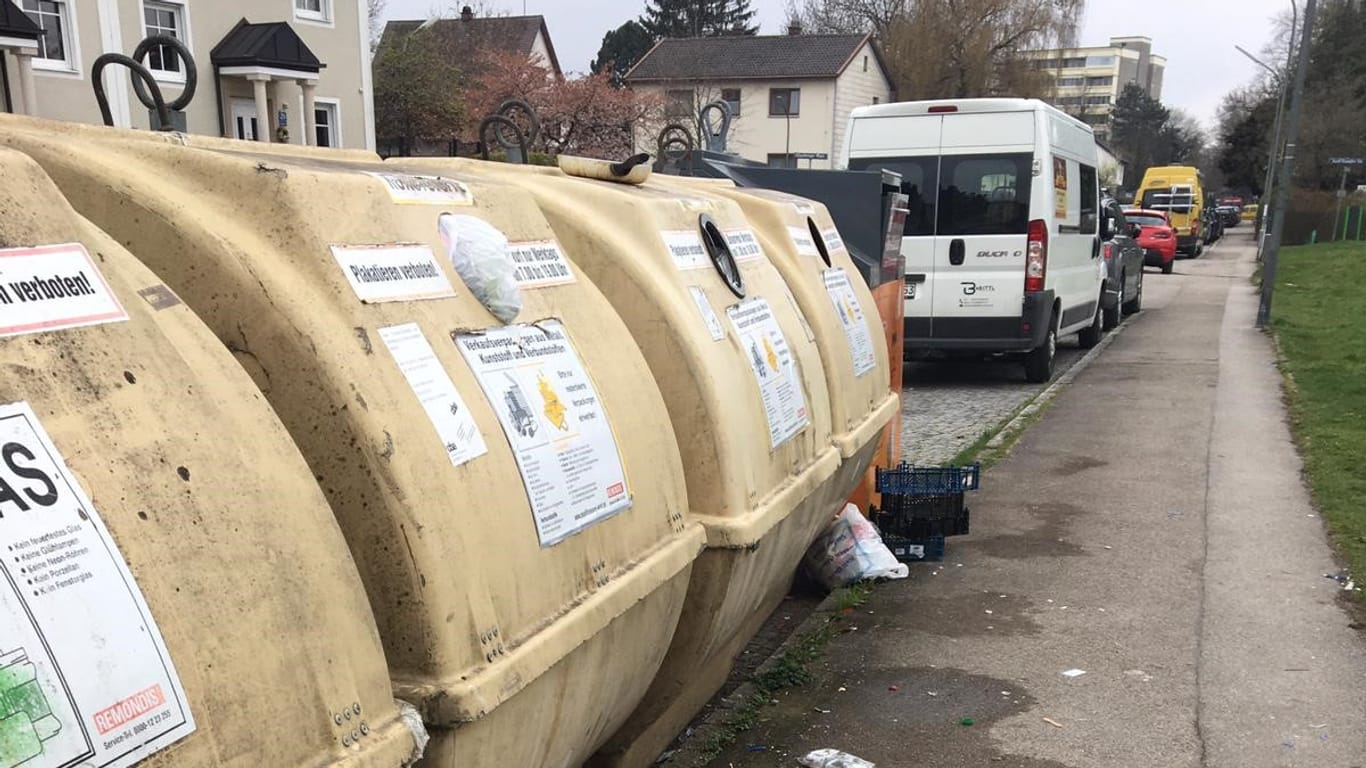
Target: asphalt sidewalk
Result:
[[1151, 531]]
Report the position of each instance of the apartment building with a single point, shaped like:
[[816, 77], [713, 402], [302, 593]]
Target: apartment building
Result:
[[293, 71], [1088, 81], [790, 95]]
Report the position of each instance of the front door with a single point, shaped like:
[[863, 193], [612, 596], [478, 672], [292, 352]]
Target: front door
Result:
[[244, 119]]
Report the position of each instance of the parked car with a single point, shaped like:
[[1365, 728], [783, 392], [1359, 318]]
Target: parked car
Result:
[[1002, 242], [1156, 236], [1232, 215], [1123, 265], [1214, 225]]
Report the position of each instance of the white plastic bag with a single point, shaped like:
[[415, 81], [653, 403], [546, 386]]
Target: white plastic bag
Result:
[[833, 758], [851, 550], [479, 253]]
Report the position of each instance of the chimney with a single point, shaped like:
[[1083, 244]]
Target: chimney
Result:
[[794, 27], [466, 13]]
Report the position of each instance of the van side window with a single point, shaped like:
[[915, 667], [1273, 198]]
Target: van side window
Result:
[[1090, 202]]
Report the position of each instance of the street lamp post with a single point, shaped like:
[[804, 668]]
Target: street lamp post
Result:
[[1272, 156], [1273, 249]]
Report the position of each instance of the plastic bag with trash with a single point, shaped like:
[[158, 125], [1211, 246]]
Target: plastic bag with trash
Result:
[[850, 550], [479, 253], [833, 758]]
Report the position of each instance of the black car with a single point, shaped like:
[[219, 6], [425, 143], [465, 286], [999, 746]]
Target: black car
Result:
[[1123, 265], [1214, 225], [1231, 214]]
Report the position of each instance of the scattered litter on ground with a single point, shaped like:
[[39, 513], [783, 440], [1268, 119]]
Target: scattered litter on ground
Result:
[[842, 689], [1074, 673], [1138, 674], [966, 721], [1107, 546], [932, 693], [833, 758], [1320, 725], [1005, 693], [1052, 722], [666, 757], [988, 611], [822, 711], [756, 748], [893, 688]]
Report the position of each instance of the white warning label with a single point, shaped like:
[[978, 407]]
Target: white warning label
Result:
[[409, 189], [52, 287], [85, 678], [540, 263], [555, 423], [709, 317], [847, 308], [833, 241], [685, 246], [802, 241], [744, 246], [392, 272], [774, 369]]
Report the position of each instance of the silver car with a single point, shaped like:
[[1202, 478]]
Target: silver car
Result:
[[1123, 265]]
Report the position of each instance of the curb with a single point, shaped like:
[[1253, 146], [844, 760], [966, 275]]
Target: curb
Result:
[[1044, 398], [687, 754]]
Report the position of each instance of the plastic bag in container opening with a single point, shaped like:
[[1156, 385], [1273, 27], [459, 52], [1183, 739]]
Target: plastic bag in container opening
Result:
[[479, 253], [851, 550], [833, 758]]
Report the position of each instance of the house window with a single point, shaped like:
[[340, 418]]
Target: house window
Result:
[[678, 104], [1070, 82], [877, 100], [313, 10], [865, 63], [1108, 80], [783, 102], [165, 18], [1100, 61], [781, 160], [55, 49], [732, 98], [328, 126]]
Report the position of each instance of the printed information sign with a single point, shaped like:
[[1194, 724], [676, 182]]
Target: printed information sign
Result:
[[556, 424], [851, 316], [685, 246], [85, 678], [434, 389], [409, 189], [775, 372]]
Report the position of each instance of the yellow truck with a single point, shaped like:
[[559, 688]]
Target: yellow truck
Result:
[[1178, 190]]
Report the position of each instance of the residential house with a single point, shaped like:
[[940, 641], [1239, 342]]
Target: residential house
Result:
[[789, 95], [468, 37], [263, 65], [1088, 81]]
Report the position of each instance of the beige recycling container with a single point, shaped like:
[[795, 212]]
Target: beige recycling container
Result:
[[802, 241], [745, 386], [513, 494], [176, 591]]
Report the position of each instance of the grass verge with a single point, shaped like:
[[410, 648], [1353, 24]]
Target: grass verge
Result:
[[1319, 319]]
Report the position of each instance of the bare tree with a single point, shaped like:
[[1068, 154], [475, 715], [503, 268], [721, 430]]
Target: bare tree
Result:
[[374, 14], [846, 16]]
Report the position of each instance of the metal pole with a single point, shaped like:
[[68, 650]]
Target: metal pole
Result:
[[1292, 130], [1276, 142], [1337, 214]]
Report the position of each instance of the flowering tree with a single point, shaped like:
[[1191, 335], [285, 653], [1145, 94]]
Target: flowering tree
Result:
[[583, 115]]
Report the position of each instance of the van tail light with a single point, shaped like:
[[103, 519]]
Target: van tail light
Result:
[[1193, 229], [1036, 256], [942, 109], [1106, 250]]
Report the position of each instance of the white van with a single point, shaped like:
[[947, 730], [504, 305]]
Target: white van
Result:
[[1003, 239]]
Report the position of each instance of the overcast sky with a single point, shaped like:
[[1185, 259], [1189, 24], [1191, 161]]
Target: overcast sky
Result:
[[1196, 36]]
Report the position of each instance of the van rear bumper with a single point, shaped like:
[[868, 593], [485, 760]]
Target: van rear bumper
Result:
[[1186, 243], [984, 334]]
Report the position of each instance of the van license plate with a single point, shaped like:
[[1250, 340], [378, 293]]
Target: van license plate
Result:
[[910, 291]]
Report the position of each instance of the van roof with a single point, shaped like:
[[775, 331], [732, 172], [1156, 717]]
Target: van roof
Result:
[[976, 106]]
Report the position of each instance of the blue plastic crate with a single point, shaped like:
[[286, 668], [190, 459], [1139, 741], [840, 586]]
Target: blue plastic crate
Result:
[[927, 550], [908, 480]]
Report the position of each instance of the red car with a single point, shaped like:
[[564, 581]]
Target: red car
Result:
[[1156, 237]]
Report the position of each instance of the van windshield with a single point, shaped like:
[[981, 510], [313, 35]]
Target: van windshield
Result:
[[974, 194]]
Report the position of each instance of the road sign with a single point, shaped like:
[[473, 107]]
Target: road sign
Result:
[[811, 155], [1347, 161]]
